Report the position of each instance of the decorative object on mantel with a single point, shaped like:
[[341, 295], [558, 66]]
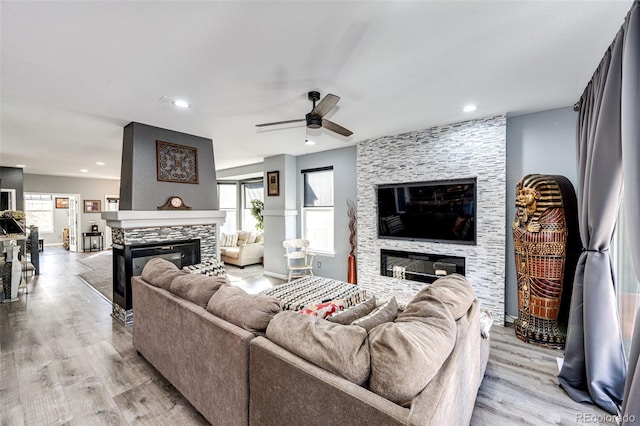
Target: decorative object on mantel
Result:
[[352, 270], [273, 183], [174, 203], [177, 163], [546, 242]]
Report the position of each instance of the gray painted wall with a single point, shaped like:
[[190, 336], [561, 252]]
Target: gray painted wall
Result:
[[343, 161], [12, 178], [89, 189], [545, 143], [141, 189]]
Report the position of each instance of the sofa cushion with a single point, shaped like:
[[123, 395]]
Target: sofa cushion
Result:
[[160, 272], [197, 288], [233, 252], [323, 310], [348, 316], [408, 353], [387, 312], [252, 238], [340, 349], [243, 237], [249, 311], [453, 290], [259, 238]]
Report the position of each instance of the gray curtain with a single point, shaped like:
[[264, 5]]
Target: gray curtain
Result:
[[630, 128], [595, 366]]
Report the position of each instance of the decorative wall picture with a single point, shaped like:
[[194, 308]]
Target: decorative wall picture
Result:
[[273, 183], [92, 206], [177, 163], [62, 203]]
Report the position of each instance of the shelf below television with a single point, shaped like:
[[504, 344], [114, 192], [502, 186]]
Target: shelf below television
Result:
[[419, 267]]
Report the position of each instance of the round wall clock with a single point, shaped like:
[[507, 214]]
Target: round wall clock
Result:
[[174, 203]]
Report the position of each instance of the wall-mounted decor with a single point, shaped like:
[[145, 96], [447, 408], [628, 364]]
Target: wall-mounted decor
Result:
[[92, 206], [177, 163], [62, 203], [273, 183]]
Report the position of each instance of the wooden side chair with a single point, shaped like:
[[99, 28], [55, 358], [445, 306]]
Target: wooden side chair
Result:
[[299, 261]]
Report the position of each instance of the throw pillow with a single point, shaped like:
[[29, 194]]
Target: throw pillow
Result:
[[196, 288], [160, 272], [252, 238], [243, 236], [323, 310], [229, 240], [348, 316], [407, 355], [249, 311], [386, 312], [340, 349]]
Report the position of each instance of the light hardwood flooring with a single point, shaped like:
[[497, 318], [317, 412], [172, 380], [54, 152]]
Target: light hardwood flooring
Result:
[[65, 360]]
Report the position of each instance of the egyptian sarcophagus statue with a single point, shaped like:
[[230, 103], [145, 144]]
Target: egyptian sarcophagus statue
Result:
[[546, 242]]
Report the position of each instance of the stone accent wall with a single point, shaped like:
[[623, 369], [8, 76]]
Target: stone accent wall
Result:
[[205, 233], [475, 148]]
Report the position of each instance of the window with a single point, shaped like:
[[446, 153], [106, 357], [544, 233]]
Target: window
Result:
[[627, 285], [317, 210], [227, 201], [39, 211], [251, 191]]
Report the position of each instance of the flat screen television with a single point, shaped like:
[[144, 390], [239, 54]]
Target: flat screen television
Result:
[[437, 211]]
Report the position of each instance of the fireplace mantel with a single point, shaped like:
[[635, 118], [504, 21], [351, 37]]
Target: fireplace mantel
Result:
[[130, 219]]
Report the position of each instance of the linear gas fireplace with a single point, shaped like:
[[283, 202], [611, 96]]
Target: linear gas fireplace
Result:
[[422, 267], [129, 260]]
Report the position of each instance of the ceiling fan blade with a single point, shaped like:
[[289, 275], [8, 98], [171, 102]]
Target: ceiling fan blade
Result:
[[280, 122], [330, 125], [326, 104]]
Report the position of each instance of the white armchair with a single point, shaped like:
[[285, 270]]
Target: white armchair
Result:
[[299, 261]]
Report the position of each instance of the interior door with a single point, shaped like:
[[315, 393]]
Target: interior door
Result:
[[73, 222]]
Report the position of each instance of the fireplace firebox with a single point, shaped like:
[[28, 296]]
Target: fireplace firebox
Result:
[[129, 260], [422, 267]]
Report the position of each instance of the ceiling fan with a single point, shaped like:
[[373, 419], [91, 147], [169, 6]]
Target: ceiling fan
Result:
[[315, 118]]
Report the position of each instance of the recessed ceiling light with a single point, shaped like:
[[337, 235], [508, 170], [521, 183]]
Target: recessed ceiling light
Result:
[[309, 142], [84, 170], [21, 165], [181, 103], [100, 163], [469, 108]]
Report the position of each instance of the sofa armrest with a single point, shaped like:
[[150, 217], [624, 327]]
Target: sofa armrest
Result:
[[284, 385]]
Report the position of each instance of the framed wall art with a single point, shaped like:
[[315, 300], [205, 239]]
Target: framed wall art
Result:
[[92, 206], [62, 203], [177, 163], [273, 183]]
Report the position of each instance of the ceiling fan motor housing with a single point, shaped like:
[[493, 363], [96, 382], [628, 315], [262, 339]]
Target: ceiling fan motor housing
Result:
[[314, 121]]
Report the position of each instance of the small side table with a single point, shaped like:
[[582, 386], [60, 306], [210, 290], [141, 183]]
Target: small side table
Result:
[[91, 235]]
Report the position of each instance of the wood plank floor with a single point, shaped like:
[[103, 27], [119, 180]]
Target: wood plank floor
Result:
[[64, 360]]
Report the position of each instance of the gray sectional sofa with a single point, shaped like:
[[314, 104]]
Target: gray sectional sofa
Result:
[[235, 373]]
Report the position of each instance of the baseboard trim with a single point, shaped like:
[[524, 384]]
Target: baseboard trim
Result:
[[275, 275]]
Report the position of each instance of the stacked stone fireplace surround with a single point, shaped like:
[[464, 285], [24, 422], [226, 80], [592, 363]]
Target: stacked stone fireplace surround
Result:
[[475, 148]]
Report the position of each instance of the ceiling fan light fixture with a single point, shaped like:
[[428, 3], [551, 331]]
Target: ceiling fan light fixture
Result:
[[314, 121]]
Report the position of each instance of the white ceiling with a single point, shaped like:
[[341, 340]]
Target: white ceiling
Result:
[[74, 73]]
